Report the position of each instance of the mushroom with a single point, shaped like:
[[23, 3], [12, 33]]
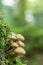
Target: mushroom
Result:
[[20, 37], [21, 44], [20, 51], [12, 37], [15, 45], [12, 46], [11, 50], [12, 53]]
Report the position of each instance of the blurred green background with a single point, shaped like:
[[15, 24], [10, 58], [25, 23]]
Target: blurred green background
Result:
[[26, 17]]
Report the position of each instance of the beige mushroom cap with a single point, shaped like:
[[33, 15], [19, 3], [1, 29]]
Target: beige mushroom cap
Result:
[[20, 51], [12, 36], [20, 37], [21, 44], [15, 45]]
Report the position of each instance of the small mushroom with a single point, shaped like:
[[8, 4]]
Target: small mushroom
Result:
[[12, 37], [20, 51], [12, 53], [11, 50], [21, 44], [15, 45], [20, 37]]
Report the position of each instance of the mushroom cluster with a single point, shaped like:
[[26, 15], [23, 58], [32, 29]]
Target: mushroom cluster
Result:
[[16, 45]]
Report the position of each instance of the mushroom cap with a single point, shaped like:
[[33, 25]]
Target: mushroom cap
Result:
[[21, 44], [15, 45], [12, 36], [20, 37], [20, 51]]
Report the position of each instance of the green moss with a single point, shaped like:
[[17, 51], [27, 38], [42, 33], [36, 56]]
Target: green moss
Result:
[[5, 59]]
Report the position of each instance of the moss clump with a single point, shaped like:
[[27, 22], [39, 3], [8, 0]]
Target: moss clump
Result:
[[4, 32], [5, 59]]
